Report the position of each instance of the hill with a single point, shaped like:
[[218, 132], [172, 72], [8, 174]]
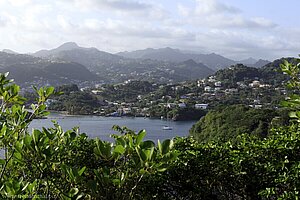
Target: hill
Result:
[[213, 61], [115, 68], [190, 70], [29, 69], [269, 73]]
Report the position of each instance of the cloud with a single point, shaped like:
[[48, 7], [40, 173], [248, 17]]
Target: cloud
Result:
[[65, 23], [212, 7], [212, 13], [120, 4], [137, 29], [112, 5], [120, 8], [117, 25], [19, 3], [3, 21]]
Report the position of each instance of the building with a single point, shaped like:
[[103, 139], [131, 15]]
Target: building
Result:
[[201, 106], [218, 84], [208, 89], [182, 105]]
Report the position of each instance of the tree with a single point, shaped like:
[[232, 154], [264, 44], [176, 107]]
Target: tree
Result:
[[52, 163]]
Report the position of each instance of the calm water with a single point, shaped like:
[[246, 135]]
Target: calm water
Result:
[[96, 126]]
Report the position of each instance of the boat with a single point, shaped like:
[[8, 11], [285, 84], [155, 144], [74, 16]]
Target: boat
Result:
[[167, 128]]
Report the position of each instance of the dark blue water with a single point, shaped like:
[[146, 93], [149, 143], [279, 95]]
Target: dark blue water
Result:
[[101, 127]]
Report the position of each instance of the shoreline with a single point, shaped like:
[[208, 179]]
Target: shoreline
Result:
[[64, 114]]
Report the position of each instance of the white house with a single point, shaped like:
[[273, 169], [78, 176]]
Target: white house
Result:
[[201, 106], [254, 84], [218, 84], [207, 89], [182, 105]]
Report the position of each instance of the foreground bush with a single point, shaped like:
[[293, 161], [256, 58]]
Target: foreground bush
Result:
[[52, 163]]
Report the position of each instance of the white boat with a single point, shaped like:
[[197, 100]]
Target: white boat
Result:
[[167, 128]]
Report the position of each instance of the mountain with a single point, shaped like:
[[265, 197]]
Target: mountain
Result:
[[114, 68], [251, 62], [190, 70], [163, 54], [64, 47], [261, 63], [28, 69], [92, 58], [248, 61], [9, 51], [213, 61]]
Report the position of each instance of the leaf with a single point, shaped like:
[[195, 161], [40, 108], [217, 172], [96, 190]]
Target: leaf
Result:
[[36, 135], [149, 153], [140, 136], [18, 146], [159, 146], [73, 192], [80, 172], [49, 91], [18, 156], [147, 144], [2, 161], [6, 74], [27, 140], [162, 168], [166, 146], [119, 149]]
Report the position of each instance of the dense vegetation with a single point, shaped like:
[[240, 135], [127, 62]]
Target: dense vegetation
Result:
[[127, 92], [57, 164], [74, 101], [226, 123]]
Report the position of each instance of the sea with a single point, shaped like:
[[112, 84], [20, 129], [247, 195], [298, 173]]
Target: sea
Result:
[[101, 127]]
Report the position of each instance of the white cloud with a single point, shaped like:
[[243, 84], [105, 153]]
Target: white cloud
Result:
[[19, 2], [117, 25], [212, 7], [65, 23], [212, 13]]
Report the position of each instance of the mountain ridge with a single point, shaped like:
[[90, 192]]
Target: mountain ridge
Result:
[[212, 60]]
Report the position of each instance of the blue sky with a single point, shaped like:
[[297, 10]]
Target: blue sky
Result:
[[237, 29]]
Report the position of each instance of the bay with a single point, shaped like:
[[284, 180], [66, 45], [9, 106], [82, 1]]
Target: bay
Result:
[[101, 127]]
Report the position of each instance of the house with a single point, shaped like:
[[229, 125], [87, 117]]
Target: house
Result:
[[171, 105], [201, 106], [218, 84], [208, 89], [96, 91], [212, 79], [184, 97], [126, 111], [182, 105], [254, 84]]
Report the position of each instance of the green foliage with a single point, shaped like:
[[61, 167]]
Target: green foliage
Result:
[[127, 92], [249, 168], [57, 164], [52, 163], [225, 123], [237, 73], [186, 114], [75, 102], [67, 89]]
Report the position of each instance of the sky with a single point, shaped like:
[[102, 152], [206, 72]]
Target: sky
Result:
[[237, 29]]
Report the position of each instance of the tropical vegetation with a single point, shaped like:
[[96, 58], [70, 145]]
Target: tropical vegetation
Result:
[[58, 164]]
